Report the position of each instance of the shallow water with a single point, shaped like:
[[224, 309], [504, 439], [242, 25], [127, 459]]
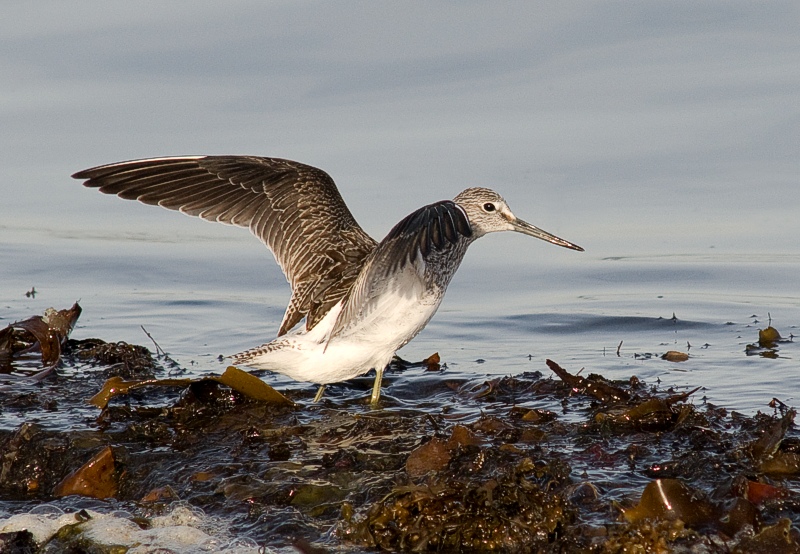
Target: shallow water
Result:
[[202, 291], [219, 292]]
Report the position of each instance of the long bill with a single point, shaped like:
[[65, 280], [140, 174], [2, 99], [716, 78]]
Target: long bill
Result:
[[527, 229]]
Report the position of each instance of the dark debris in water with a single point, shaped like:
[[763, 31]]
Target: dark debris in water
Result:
[[43, 336], [530, 463], [768, 346], [118, 359]]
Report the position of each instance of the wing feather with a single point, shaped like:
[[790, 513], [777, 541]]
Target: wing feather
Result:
[[437, 230], [295, 209]]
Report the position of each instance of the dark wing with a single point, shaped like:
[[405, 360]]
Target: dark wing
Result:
[[431, 228], [438, 233], [295, 209]]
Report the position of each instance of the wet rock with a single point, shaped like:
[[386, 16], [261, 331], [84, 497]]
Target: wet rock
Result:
[[648, 536], [760, 493], [45, 334], [120, 359], [500, 504], [98, 478], [772, 433], [675, 356], [670, 499], [32, 460], [775, 539], [434, 455], [594, 385], [650, 414], [17, 542], [768, 337], [741, 515]]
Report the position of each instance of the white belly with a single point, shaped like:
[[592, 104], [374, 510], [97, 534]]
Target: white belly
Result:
[[368, 343]]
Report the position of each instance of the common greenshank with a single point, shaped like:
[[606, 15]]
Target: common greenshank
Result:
[[361, 300]]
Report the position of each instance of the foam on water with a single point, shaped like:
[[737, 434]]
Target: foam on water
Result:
[[184, 530]]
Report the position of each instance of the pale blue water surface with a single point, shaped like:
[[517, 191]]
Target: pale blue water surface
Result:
[[661, 137], [213, 293]]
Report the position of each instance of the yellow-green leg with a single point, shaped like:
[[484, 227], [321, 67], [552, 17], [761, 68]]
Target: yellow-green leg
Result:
[[318, 396], [376, 388]]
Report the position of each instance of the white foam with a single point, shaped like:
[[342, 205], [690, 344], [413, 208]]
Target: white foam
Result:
[[42, 526], [181, 531]]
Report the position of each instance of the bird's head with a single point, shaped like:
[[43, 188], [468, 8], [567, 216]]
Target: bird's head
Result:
[[488, 212]]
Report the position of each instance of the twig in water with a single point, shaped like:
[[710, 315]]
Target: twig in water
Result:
[[618, 348], [159, 351]]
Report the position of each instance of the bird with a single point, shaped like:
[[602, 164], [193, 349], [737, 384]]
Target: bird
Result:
[[355, 301]]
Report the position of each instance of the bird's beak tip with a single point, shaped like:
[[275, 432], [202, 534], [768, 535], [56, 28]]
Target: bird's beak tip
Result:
[[526, 228]]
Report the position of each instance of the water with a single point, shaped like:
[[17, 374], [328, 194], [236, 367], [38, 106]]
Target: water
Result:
[[219, 292]]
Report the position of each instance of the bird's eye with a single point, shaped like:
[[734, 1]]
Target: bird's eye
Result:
[[488, 207]]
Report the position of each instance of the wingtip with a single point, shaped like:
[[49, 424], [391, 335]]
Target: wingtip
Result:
[[88, 173]]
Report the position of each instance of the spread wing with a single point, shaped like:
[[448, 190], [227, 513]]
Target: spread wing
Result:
[[295, 209], [434, 238]]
